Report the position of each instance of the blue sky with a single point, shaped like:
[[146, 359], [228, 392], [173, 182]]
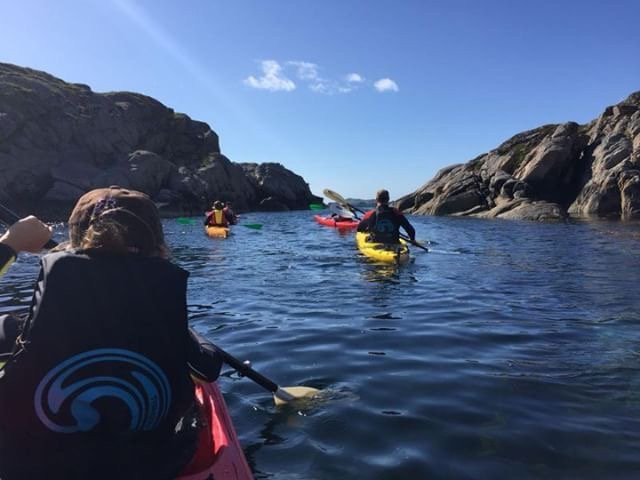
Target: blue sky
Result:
[[352, 95]]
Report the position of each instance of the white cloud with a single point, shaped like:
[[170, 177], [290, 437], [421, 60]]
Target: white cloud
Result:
[[278, 77], [272, 79], [386, 85], [305, 70]]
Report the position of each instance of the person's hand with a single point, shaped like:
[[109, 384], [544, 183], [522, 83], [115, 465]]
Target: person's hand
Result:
[[27, 235]]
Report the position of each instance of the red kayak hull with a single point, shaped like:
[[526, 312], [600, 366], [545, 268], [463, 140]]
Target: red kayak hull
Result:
[[330, 222], [219, 455]]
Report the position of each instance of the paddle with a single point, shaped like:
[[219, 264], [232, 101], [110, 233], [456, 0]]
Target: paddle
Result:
[[192, 221], [413, 242], [341, 211], [9, 217], [340, 199], [336, 197], [253, 226], [316, 206], [281, 395]]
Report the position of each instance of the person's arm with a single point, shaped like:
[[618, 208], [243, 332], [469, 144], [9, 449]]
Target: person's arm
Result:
[[26, 235], [204, 360], [365, 222], [404, 223]]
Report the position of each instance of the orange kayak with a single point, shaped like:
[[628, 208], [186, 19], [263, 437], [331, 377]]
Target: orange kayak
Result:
[[217, 232], [331, 222]]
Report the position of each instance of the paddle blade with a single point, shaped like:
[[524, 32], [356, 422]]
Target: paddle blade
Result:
[[184, 221], [336, 197], [316, 206], [285, 395], [341, 211], [253, 226]]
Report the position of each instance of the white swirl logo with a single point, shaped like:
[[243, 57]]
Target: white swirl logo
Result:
[[65, 400]]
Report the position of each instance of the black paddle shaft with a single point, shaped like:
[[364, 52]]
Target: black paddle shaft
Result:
[[247, 371], [9, 217]]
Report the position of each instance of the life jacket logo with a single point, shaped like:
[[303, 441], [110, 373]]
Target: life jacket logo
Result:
[[384, 226], [67, 399]]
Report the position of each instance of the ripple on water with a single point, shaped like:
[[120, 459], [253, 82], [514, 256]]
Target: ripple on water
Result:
[[509, 351]]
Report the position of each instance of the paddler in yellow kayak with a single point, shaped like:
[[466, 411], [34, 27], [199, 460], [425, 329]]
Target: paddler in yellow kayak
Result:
[[383, 223], [216, 217]]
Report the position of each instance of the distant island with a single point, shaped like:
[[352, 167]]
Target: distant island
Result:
[[360, 203], [59, 140], [549, 173]]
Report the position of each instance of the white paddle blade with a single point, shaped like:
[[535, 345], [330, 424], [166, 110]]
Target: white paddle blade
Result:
[[285, 395], [340, 210]]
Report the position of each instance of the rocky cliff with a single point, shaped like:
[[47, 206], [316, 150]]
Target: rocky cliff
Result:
[[59, 139], [548, 173]]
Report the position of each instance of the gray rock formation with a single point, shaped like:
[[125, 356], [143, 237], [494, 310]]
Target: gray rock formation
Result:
[[548, 173], [58, 140]]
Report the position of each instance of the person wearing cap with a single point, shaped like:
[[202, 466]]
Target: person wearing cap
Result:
[[216, 217], [229, 214], [384, 222], [99, 382]]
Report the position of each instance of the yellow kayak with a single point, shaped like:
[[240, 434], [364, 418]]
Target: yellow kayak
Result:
[[217, 232], [382, 252]]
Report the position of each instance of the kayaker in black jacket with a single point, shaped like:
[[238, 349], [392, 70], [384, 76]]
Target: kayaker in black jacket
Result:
[[384, 222], [99, 384]]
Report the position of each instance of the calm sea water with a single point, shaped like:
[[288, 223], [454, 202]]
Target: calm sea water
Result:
[[510, 351]]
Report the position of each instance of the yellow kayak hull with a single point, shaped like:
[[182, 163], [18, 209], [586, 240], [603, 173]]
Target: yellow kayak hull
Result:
[[381, 252], [217, 232]]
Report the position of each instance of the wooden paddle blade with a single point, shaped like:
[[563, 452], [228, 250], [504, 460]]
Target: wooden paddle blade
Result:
[[285, 395], [336, 197]]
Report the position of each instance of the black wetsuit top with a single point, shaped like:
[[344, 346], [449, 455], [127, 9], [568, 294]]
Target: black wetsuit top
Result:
[[99, 382], [384, 224]]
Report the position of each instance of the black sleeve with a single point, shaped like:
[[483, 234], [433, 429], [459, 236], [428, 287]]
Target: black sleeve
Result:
[[365, 223], [10, 327], [7, 255], [408, 227], [204, 360]]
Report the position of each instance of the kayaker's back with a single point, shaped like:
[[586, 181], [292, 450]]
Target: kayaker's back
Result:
[[94, 386]]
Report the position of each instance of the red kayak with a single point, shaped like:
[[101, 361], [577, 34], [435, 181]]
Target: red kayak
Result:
[[331, 222], [219, 455]]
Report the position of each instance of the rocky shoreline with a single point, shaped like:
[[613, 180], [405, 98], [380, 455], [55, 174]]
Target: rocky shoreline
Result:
[[553, 172], [59, 139]]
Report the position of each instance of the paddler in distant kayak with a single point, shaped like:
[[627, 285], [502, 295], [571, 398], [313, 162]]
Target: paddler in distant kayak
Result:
[[216, 217], [384, 222], [231, 216], [98, 384]]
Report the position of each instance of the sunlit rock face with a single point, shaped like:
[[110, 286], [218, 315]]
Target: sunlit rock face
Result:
[[59, 139], [548, 173]]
